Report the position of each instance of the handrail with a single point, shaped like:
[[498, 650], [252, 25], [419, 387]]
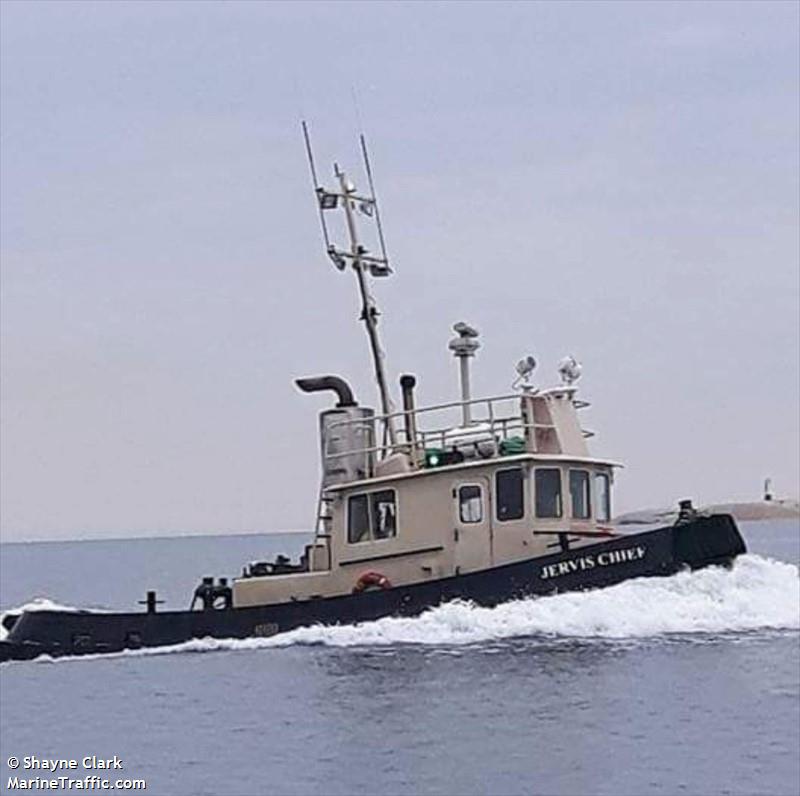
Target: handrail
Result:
[[412, 445], [494, 427], [480, 435], [435, 407]]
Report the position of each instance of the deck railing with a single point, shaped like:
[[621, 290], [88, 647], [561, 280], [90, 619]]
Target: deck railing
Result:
[[492, 424]]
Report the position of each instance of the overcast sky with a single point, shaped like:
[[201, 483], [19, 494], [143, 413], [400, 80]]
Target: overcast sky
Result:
[[613, 180]]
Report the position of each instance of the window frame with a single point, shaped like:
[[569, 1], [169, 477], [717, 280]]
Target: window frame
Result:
[[479, 487], [522, 479], [369, 496], [560, 514], [587, 493], [598, 474], [373, 524]]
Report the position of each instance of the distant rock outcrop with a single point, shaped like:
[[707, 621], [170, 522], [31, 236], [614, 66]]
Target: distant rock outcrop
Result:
[[759, 510], [756, 510]]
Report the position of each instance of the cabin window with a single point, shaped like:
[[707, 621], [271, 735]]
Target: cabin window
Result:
[[510, 497], [470, 503], [371, 516], [383, 515], [548, 492], [580, 494], [357, 519], [602, 486]]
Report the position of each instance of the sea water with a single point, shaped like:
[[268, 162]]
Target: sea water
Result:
[[688, 684]]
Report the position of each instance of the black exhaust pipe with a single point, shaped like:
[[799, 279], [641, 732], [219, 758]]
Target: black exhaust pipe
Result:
[[407, 384], [320, 383]]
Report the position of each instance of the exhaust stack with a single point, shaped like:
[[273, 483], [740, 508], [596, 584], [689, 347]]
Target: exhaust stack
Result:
[[346, 433], [407, 384], [335, 383]]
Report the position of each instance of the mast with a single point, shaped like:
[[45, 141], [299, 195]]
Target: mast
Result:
[[363, 263]]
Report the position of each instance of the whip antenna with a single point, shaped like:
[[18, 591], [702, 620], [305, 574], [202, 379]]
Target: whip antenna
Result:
[[317, 187], [368, 169]]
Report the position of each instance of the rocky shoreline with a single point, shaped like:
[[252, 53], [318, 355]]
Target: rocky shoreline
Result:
[[755, 510]]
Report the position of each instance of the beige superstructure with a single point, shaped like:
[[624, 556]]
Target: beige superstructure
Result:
[[523, 485]]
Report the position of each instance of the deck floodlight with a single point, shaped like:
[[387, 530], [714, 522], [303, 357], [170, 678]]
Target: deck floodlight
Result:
[[570, 370], [338, 259], [524, 368], [379, 269], [327, 201]]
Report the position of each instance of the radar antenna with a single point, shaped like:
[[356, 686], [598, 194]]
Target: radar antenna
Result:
[[358, 258]]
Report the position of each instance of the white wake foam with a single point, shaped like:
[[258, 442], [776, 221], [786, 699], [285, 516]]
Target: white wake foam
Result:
[[755, 594]]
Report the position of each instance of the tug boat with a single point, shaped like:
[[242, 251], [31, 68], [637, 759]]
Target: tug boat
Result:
[[480, 499]]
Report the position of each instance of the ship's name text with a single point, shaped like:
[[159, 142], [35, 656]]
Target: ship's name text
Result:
[[608, 558]]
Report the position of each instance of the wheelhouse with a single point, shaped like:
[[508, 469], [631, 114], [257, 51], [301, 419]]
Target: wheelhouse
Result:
[[447, 497]]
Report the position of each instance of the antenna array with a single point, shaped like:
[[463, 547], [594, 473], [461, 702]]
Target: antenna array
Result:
[[362, 261], [351, 201]]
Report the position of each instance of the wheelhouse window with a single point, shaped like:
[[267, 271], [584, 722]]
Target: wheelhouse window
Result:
[[510, 495], [357, 519], [383, 515], [580, 494], [548, 492], [470, 503], [371, 515], [602, 488]]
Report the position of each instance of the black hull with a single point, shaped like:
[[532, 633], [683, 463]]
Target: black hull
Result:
[[702, 542]]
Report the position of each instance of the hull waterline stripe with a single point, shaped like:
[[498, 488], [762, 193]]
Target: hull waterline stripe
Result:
[[593, 534]]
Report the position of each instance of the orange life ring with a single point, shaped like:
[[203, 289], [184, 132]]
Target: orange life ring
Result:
[[371, 579]]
